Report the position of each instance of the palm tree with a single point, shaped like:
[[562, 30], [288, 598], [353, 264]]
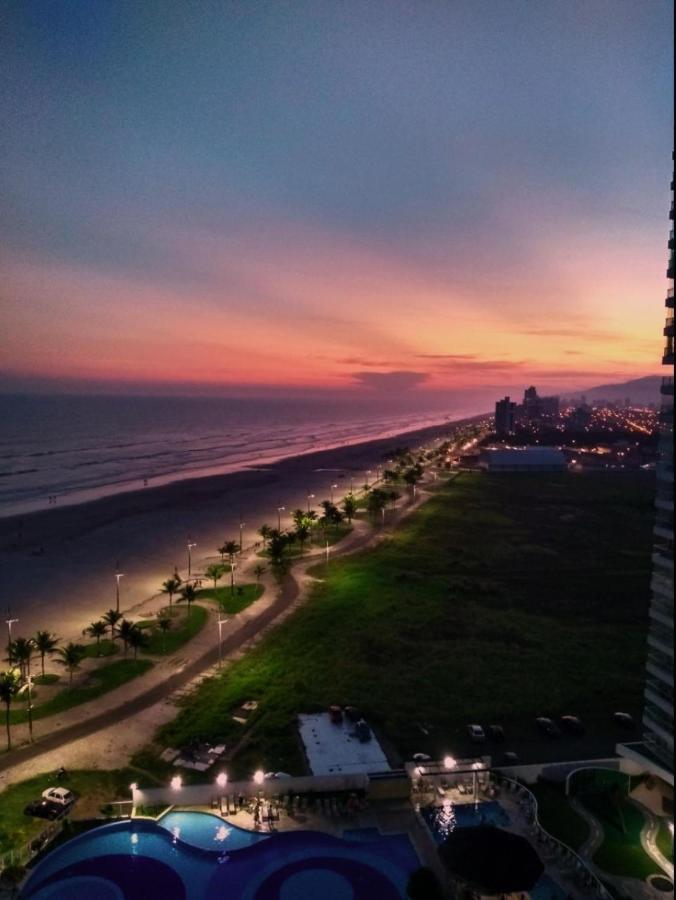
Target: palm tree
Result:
[[164, 624], [45, 643], [229, 549], [265, 531], [279, 541], [215, 572], [302, 532], [111, 618], [20, 652], [136, 639], [189, 595], [10, 682], [350, 507], [70, 658], [258, 571], [298, 517], [124, 632], [97, 630], [171, 587]]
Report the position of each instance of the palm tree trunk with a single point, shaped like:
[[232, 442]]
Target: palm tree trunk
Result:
[[9, 731], [43, 665]]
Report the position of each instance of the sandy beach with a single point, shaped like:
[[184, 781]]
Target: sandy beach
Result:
[[58, 566]]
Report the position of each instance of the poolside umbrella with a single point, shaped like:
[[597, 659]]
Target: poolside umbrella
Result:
[[491, 861]]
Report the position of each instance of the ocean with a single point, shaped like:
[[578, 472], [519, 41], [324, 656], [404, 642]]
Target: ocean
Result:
[[63, 450]]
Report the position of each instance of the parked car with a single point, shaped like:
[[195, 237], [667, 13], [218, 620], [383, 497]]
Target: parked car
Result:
[[548, 727], [59, 796], [43, 809], [572, 724], [476, 733], [421, 757], [625, 721], [273, 776], [510, 758], [495, 733], [336, 714]]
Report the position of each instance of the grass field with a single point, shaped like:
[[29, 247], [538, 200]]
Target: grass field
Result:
[[105, 647], [99, 682], [95, 790], [557, 815], [244, 595], [502, 598], [184, 627], [621, 852]]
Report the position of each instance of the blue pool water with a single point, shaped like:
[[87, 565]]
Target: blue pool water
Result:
[[207, 832], [141, 860], [442, 820]]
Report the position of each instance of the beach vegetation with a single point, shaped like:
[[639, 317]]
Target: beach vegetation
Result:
[[71, 657], [215, 572], [232, 602], [45, 645], [188, 595], [170, 587], [162, 640], [10, 682], [101, 649], [111, 618], [349, 507]]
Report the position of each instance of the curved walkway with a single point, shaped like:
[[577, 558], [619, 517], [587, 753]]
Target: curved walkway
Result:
[[292, 588], [649, 835]]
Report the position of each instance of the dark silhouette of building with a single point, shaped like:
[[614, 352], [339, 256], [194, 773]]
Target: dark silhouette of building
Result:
[[505, 417]]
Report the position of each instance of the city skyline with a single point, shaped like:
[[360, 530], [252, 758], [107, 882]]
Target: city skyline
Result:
[[271, 198]]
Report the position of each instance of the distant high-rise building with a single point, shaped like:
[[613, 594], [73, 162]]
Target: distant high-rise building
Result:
[[657, 749], [505, 412]]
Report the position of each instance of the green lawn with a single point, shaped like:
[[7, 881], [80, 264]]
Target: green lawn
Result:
[[184, 628], [621, 852], [105, 647], [501, 598], [227, 602], [319, 540], [94, 788], [558, 817], [665, 841], [100, 681], [48, 678]]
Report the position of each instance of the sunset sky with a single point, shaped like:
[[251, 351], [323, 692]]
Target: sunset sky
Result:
[[374, 195]]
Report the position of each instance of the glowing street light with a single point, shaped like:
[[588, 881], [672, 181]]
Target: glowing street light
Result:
[[221, 779], [259, 777], [118, 575], [449, 762], [191, 546], [309, 498], [176, 783], [333, 488], [9, 622], [280, 510], [242, 525]]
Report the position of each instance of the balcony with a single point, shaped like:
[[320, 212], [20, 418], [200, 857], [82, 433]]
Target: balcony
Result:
[[669, 327], [670, 298], [670, 242]]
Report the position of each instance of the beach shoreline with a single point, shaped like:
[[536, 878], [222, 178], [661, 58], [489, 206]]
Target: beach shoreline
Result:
[[59, 564]]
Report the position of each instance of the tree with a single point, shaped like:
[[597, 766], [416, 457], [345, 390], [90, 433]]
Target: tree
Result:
[[97, 630], [377, 501], [124, 632], [229, 549], [258, 572], [164, 624], [71, 657], [393, 496], [136, 639], [188, 595], [299, 517], [302, 533], [279, 541], [10, 681], [111, 618], [45, 644], [170, 587], [349, 507], [265, 531], [332, 514], [215, 572], [20, 652]]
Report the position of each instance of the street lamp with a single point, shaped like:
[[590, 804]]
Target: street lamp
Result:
[[280, 510], [233, 566], [28, 687], [191, 546], [368, 472], [176, 783], [476, 768], [9, 622], [221, 779], [333, 488], [118, 575], [221, 623], [241, 536], [449, 762], [259, 777], [309, 497]]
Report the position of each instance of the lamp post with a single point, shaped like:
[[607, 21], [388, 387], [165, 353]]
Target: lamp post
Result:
[[233, 566], [309, 497], [9, 622], [28, 688], [280, 510], [221, 623], [241, 535], [118, 575], [333, 488], [191, 545], [368, 472]]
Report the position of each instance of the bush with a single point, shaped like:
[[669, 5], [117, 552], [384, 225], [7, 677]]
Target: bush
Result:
[[424, 885]]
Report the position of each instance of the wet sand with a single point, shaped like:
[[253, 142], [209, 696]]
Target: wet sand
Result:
[[58, 566]]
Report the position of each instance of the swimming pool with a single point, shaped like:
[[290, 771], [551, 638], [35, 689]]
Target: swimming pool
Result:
[[442, 820], [142, 859]]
